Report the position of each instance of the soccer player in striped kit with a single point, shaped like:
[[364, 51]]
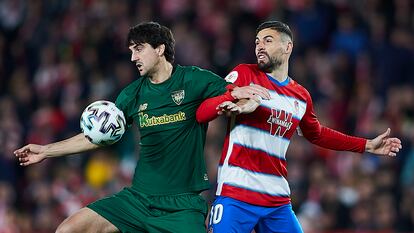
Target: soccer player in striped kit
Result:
[[252, 191]]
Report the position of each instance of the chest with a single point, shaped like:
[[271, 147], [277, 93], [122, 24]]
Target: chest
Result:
[[280, 115], [162, 107]]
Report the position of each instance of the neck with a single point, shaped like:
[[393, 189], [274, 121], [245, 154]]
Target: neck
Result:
[[162, 73], [280, 73]]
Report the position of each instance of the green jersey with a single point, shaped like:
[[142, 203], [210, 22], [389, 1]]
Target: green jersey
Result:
[[172, 141]]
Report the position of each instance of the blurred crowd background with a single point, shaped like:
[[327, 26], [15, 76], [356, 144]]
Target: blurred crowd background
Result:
[[356, 57]]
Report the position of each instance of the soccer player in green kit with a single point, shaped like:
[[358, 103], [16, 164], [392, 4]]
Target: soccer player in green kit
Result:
[[171, 171]]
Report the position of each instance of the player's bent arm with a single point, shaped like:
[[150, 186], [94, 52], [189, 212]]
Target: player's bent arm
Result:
[[207, 110], [334, 140], [210, 109], [325, 137], [331, 139], [33, 153]]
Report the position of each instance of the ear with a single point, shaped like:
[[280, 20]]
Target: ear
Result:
[[289, 47], [160, 49]]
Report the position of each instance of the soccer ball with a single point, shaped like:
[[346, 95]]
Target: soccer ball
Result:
[[102, 123]]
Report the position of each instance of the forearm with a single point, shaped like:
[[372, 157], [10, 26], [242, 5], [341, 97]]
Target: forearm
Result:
[[334, 140], [73, 145], [207, 111]]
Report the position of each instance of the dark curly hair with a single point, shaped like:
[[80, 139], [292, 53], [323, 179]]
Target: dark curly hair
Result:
[[154, 34]]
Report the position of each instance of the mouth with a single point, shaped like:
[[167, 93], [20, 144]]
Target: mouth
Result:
[[139, 66], [261, 57]]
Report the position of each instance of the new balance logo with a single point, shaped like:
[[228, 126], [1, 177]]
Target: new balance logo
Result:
[[280, 122]]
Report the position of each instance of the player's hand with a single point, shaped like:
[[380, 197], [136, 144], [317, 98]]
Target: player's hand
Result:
[[249, 92], [242, 106], [384, 145], [248, 105], [30, 154], [228, 108]]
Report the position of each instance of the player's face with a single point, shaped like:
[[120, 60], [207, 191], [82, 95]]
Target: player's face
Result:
[[269, 50], [145, 58]]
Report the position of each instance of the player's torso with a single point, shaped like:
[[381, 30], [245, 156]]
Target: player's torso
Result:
[[256, 143], [276, 119], [171, 141], [279, 117], [163, 109]]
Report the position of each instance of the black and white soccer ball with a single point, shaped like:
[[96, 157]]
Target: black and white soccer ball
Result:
[[102, 123]]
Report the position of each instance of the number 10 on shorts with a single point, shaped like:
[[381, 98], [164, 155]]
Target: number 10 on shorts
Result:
[[216, 214]]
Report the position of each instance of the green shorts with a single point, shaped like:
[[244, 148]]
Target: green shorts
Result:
[[132, 211]]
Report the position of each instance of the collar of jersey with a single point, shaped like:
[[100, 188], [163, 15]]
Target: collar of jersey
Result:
[[280, 84]]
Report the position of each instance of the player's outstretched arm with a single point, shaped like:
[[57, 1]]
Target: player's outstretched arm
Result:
[[33, 153], [384, 145]]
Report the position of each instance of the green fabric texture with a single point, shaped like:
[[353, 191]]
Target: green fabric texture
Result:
[[132, 211]]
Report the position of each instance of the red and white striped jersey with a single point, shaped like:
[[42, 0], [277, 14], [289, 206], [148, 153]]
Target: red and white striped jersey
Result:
[[252, 167]]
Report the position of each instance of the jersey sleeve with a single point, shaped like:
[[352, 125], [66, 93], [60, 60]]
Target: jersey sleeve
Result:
[[325, 137], [207, 84], [239, 76], [207, 110]]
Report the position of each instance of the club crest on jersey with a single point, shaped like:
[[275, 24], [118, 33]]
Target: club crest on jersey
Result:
[[142, 107], [178, 96], [232, 76], [280, 122], [296, 107]]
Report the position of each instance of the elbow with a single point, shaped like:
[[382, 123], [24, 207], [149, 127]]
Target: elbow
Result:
[[314, 139], [202, 118]]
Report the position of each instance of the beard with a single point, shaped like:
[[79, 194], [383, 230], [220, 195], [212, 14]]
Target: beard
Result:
[[272, 64]]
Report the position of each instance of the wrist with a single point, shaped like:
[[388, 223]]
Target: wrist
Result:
[[45, 149], [368, 145], [232, 95]]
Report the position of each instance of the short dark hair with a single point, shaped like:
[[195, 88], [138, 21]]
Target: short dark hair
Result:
[[276, 25], [154, 34]]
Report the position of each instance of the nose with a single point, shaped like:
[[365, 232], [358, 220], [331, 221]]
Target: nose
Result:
[[259, 47], [134, 56]]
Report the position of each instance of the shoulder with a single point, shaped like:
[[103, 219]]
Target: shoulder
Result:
[[301, 91], [247, 68], [191, 69], [133, 87], [129, 93], [242, 70], [195, 72]]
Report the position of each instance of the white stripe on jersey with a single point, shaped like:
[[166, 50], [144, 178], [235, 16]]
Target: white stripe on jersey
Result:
[[287, 103], [257, 182], [259, 139], [229, 151]]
